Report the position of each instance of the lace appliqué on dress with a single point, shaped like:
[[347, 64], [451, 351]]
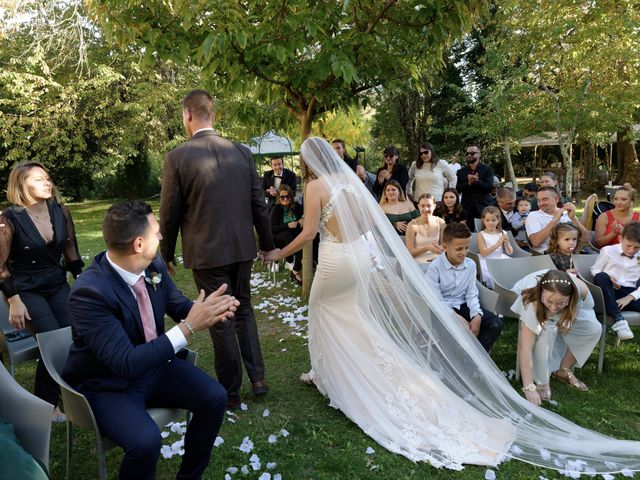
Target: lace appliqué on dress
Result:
[[329, 210]]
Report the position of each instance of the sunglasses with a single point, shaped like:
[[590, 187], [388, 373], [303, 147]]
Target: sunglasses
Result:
[[471, 154], [424, 152], [285, 197], [389, 155]]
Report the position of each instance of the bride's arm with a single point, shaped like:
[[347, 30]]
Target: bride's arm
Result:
[[311, 221]]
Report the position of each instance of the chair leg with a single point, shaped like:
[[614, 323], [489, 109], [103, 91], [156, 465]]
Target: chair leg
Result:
[[102, 460], [518, 356], [602, 344], [69, 447]]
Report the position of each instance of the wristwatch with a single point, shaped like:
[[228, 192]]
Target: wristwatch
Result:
[[529, 388]]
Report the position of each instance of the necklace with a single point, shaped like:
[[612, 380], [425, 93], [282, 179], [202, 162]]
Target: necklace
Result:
[[43, 216]]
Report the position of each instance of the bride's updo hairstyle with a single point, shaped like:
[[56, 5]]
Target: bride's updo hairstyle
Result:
[[554, 281]]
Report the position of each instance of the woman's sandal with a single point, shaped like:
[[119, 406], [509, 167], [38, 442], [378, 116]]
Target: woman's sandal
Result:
[[545, 393], [296, 277], [565, 375]]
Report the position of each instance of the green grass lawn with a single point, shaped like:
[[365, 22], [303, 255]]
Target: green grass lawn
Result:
[[322, 443]]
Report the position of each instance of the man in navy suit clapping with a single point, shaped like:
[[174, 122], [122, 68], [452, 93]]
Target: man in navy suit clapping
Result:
[[123, 360]]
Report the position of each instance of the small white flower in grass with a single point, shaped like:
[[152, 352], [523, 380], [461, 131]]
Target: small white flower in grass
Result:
[[608, 476], [244, 407], [627, 473], [272, 439], [369, 451], [246, 446], [244, 470], [164, 434], [545, 454], [218, 441], [284, 433], [271, 465], [490, 475], [265, 413], [227, 476], [166, 451], [232, 470], [265, 476], [277, 476], [553, 402]]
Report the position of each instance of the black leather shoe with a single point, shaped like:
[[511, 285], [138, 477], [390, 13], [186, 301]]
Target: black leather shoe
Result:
[[260, 388], [233, 403]]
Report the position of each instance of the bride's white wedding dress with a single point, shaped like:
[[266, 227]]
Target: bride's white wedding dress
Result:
[[393, 358]]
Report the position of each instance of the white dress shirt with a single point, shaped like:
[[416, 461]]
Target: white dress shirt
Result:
[[625, 270], [537, 221], [175, 335]]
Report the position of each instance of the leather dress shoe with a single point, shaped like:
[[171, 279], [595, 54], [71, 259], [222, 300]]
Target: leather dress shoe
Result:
[[233, 403], [259, 388]]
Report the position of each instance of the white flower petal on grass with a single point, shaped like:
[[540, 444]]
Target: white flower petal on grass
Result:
[[218, 441], [164, 434], [176, 428], [232, 470], [272, 439], [374, 467], [490, 475], [271, 465], [232, 420], [283, 350], [540, 477], [553, 402], [265, 476], [266, 412], [246, 446], [369, 451], [627, 473], [255, 466], [284, 433], [244, 470], [254, 458], [608, 476], [244, 407], [277, 476], [166, 451], [227, 476], [177, 445], [545, 454], [516, 449]]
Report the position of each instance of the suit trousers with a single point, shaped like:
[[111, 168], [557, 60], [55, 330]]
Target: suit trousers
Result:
[[490, 326], [235, 340], [122, 417], [48, 311], [611, 294]]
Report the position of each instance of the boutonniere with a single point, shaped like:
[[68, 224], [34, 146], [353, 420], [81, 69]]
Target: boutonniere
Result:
[[155, 279]]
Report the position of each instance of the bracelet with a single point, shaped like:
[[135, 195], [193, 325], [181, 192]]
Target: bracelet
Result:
[[188, 325], [529, 388]]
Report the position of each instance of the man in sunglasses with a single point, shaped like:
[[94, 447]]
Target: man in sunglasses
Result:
[[475, 182]]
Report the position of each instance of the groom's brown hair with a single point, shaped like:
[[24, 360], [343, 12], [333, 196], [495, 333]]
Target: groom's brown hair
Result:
[[201, 105]]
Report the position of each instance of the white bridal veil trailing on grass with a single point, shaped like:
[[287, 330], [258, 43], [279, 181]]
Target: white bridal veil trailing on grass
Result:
[[407, 314]]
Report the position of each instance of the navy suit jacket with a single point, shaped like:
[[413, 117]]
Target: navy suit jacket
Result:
[[109, 350]]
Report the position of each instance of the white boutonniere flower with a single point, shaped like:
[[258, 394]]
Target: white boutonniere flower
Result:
[[155, 279]]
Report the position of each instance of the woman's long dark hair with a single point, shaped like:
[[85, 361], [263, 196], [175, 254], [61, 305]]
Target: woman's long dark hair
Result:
[[434, 157], [442, 210]]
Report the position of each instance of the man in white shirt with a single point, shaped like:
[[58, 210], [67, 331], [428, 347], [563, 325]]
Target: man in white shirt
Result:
[[617, 273], [541, 222]]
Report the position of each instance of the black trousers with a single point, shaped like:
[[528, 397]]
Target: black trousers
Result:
[[48, 311], [490, 326], [236, 340], [282, 239]]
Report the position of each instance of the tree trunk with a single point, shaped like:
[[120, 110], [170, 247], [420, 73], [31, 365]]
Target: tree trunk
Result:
[[511, 176], [565, 149], [626, 150], [306, 121]]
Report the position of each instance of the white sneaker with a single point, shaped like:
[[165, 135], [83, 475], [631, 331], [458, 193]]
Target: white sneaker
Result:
[[622, 329], [288, 265]]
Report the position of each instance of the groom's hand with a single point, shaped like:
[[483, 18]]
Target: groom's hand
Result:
[[215, 308], [171, 268]]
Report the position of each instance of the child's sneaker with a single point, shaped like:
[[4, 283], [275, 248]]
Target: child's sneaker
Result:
[[621, 327]]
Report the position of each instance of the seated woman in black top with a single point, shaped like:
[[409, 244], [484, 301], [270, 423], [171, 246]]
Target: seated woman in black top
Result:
[[449, 207], [286, 224], [37, 246]]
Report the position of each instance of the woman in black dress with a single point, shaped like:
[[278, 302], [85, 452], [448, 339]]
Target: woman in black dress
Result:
[[37, 247], [286, 224]]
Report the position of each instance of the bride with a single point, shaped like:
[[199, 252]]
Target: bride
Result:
[[391, 355]]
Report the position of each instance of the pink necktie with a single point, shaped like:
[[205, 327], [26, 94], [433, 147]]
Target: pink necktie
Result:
[[146, 312]]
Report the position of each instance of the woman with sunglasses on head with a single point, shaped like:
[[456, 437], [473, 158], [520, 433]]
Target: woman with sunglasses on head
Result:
[[558, 330], [37, 248], [429, 174], [391, 170], [286, 224]]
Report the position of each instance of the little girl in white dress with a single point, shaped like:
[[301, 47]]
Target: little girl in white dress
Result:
[[493, 242]]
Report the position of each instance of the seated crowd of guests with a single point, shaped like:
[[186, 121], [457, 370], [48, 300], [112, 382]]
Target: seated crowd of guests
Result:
[[436, 205]]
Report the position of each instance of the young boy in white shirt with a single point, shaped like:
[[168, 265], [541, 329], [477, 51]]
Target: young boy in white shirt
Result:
[[617, 273]]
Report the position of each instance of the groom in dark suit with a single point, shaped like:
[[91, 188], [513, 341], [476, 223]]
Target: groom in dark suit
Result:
[[212, 195], [123, 360]]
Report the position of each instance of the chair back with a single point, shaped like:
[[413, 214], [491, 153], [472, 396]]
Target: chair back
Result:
[[478, 224], [517, 251], [30, 415], [54, 350], [488, 298], [19, 350], [583, 264]]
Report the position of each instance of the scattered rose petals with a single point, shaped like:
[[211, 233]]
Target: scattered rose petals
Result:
[[272, 439], [284, 433], [266, 412], [218, 441], [232, 470], [369, 451], [271, 465], [490, 475], [244, 407]]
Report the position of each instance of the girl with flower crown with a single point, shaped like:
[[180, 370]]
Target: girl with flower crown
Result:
[[558, 330]]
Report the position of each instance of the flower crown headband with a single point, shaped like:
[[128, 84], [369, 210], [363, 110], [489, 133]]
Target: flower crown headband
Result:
[[555, 280]]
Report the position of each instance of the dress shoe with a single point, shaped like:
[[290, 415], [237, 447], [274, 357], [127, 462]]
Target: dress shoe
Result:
[[233, 403], [260, 388]]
